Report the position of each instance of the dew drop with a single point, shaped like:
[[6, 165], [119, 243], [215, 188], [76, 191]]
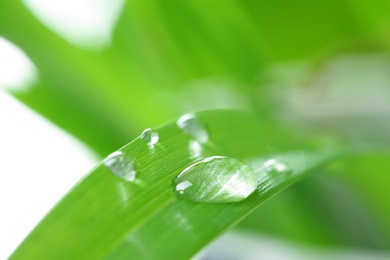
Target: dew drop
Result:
[[120, 166], [150, 136], [191, 125], [216, 179], [276, 166]]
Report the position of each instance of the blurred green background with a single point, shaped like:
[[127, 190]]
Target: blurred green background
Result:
[[320, 66]]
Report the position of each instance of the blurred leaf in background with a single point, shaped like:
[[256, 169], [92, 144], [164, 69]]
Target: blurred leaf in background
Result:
[[320, 68]]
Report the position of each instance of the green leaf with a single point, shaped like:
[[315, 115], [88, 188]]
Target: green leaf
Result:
[[81, 90], [105, 216], [323, 211], [367, 175], [160, 48]]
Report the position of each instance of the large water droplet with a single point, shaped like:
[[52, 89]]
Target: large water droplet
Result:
[[150, 136], [216, 179], [276, 166], [191, 125], [120, 166]]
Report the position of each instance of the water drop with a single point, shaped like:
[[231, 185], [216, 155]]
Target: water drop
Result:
[[191, 125], [120, 166], [216, 179], [276, 166], [150, 136]]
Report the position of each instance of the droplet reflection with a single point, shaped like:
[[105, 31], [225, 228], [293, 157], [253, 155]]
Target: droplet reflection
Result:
[[276, 166]]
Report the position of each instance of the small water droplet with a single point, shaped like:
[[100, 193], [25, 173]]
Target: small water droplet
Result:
[[150, 136], [120, 166], [276, 166], [191, 125], [216, 179]]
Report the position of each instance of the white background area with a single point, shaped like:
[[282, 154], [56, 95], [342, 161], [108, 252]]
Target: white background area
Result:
[[39, 164]]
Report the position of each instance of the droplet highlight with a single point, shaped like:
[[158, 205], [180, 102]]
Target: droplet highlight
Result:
[[182, 186], [191, 125], [216, 179], [276, 166], [120, 166], [150, 136]]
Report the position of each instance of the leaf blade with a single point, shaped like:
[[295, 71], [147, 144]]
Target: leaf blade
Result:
[[102, 211]]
